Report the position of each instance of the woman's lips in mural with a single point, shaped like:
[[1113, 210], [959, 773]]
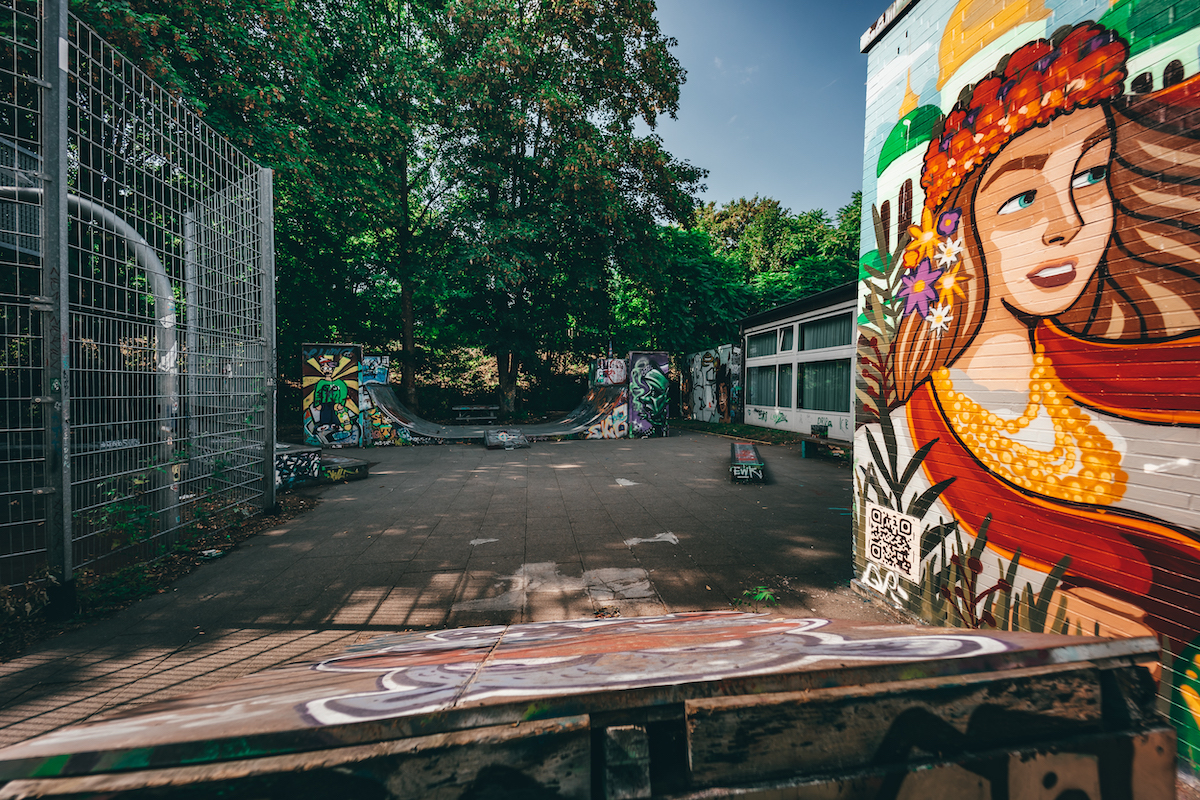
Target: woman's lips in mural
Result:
[[1049, 276]]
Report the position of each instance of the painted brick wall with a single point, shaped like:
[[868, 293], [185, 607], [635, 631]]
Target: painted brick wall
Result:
[[1028, 424]]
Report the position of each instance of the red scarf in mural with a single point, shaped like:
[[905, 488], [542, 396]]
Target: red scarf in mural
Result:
[[1141, 560]]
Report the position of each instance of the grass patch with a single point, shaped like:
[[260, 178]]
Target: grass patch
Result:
[[750, 433]]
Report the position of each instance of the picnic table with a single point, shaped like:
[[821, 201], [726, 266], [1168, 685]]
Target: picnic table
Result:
[[476, 413]]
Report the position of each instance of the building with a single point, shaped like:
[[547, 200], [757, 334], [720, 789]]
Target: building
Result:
[[1027, 445], [799, 363]]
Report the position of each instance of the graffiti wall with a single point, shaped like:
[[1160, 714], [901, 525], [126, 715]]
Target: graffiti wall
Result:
[[378, 429], [648, 395], [709, 384], [296, 465], [1027, 446], [331, 398], [613, 417], [610, 372]]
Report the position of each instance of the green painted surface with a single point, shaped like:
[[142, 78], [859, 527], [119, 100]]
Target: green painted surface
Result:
[[905, 137], [1146, 23]]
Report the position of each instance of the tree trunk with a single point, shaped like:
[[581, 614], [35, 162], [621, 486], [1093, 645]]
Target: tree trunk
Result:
[[506, 364], [408, 377]]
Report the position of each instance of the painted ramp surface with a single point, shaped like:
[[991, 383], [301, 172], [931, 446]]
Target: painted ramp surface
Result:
[[597, 409], [628, 707]]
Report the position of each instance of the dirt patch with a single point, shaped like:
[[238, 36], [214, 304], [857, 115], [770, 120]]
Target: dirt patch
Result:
[[102, 595]]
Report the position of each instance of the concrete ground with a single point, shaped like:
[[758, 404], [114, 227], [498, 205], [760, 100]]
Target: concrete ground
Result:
[[460, 535]]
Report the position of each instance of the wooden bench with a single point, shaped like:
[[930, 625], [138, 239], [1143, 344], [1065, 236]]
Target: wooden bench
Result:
[[745, 464], [476, 413], [809, 445], [819, 438]]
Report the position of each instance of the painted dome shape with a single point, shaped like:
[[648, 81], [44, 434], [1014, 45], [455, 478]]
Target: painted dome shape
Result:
[[913, 130], [898, 193]]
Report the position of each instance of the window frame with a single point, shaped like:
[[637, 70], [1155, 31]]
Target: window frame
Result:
[[793, 416]]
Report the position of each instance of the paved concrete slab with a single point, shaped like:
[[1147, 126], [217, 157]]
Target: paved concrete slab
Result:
[[460, 535]]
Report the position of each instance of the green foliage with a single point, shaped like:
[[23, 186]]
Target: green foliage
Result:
[[780, 254], [688, 304], [756, 597], [474, 174]]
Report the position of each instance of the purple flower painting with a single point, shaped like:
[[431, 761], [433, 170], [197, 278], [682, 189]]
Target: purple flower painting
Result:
[[948, 221], [918, 290]]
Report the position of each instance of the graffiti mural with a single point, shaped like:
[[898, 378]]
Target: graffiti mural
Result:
[[710, 379], [569, 657], [295, 465], [611, 372], [726, 682], [648, 395], [378, 429], [1028, 387], [330, 386], [613, 422], [373, 369]]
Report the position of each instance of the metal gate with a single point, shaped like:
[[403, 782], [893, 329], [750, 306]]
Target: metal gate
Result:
[[137, 303]]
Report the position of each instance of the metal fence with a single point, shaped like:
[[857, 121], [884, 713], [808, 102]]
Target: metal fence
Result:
[[136, 308]]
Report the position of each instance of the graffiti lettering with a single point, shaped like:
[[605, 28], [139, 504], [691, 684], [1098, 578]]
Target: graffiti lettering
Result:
[[885, 581], [746, 472]]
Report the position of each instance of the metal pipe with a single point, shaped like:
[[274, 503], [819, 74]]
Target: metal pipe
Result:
[[167, 350]]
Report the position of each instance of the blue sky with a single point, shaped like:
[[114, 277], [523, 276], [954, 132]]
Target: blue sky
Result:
[[774, 99]]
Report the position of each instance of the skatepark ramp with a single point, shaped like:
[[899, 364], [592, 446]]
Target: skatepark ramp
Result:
[[602, 414]]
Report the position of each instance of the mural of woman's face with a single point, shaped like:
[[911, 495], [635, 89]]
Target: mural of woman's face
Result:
[[1044, 212]]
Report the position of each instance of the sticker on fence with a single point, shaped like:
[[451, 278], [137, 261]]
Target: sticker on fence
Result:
[[894, 541]]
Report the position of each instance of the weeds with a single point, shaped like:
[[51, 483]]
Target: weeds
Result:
[[756, 597]]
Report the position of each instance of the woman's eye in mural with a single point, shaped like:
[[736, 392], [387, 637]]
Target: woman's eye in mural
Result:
[[1023, 200], [1089, 177]]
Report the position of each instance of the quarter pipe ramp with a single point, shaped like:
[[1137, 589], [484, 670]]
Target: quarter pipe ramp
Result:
[[602, 414]]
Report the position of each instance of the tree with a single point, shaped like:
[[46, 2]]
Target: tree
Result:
[[557, 188], [689, 304], [780, 255], [726, 224]]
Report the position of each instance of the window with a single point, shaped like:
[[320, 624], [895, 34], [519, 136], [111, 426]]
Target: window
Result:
[[761, 384], [786, 338], [1143, 83], [760, 344], [783, 398], [904, 218], [828, 332], [824, 385], [1173, 74]]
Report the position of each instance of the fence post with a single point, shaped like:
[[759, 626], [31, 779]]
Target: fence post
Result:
[[56, 322], [266, 258]]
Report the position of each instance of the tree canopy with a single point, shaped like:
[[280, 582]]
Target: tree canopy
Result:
[[478, 173]]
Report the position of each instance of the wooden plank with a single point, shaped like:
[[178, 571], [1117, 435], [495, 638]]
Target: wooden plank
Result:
[[536, 758], [731, 740]]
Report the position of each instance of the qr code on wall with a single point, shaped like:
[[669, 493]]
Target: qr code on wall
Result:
[[893, 541]]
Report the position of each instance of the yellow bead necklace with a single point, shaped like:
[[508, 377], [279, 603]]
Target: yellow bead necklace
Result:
[[1083, 466]]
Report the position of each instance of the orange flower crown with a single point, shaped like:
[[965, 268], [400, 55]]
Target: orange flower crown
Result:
[[1037, 83]]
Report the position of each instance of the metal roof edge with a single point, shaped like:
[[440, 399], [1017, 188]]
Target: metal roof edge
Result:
[[885, 22], [837, 294]]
